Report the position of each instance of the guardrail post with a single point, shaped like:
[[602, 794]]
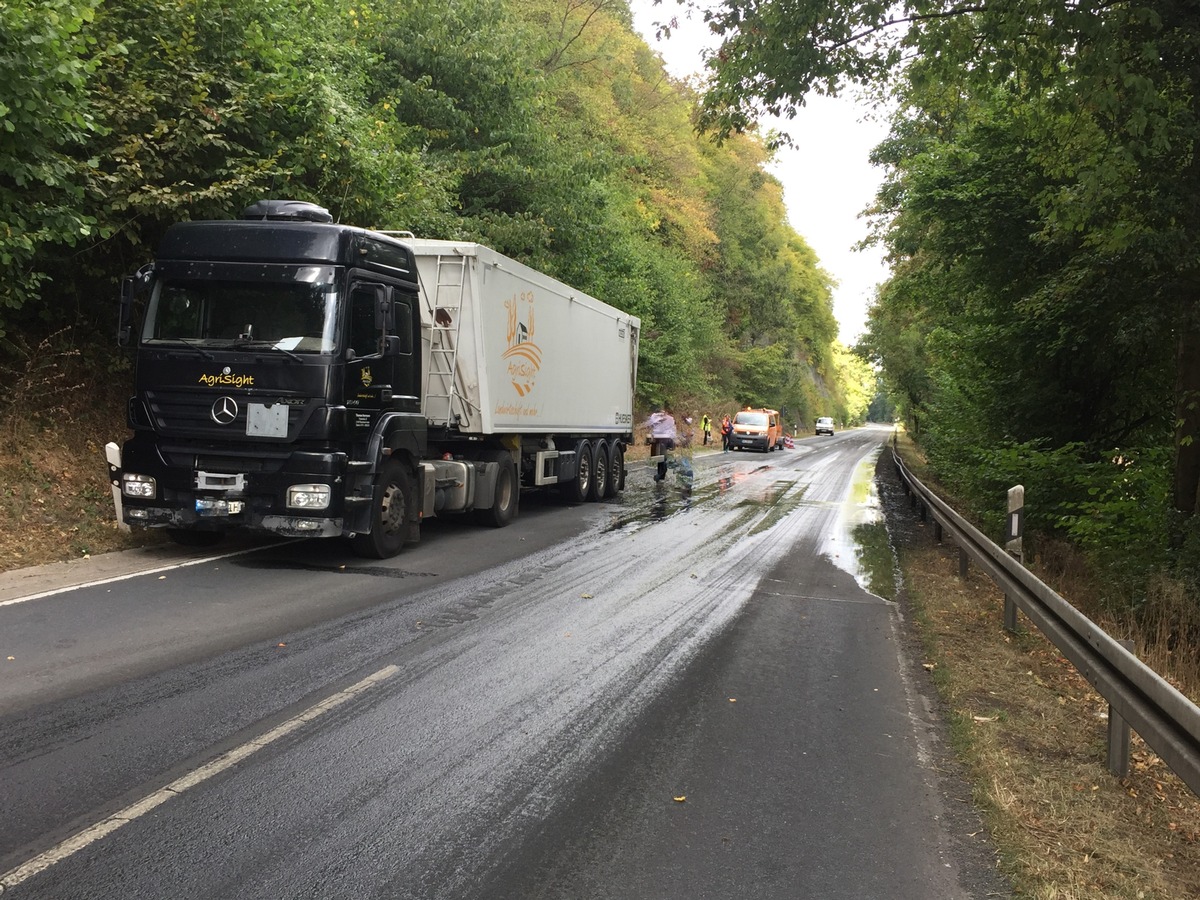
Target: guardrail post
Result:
[[964, 559], [1119, 734], [1013, 531], [937, 531]]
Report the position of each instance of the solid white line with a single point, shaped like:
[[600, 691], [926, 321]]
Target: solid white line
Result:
[[167, 568], [107, 826]]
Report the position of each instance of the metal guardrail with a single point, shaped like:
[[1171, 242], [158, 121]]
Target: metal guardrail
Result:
[[1167, 720]]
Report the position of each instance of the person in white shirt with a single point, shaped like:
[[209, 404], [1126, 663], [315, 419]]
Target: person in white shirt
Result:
[[663, 435]]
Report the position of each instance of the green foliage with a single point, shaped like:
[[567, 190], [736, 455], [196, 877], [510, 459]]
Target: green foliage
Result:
[[47, 56], [545, 129], [859, 385], [1113, 505], [1042, 215]]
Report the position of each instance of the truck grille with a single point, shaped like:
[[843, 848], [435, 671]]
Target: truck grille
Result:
[[190, 413]]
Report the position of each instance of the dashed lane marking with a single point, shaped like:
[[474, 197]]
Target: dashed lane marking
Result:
[[131, 813]]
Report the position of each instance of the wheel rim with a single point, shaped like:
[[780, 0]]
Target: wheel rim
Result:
[[584, 469], [614, 469], [391, 516], [601, 471]]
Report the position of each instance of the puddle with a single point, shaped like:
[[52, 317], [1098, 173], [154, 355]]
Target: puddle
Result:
[[859, 544]]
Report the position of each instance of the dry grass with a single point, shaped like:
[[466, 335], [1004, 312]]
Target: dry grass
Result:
[[1033, 733], [55, 502]]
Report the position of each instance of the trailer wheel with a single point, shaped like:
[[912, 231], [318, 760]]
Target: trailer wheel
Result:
[[389, 526], [191, 537], [616, 469], [506, 498], [600, 480], [577, 489]]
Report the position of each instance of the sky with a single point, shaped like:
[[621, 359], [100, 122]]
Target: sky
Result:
[[827, 178]]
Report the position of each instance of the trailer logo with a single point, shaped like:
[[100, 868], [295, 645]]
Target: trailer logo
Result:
[[224, 411], [523, 355]]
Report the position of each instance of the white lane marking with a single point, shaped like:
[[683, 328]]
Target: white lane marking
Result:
[[107, 826], [167, 568]]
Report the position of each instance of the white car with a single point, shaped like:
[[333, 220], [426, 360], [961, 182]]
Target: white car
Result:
[[825, 426]]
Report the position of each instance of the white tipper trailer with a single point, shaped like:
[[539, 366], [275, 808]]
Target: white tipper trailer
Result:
[[315, 379]]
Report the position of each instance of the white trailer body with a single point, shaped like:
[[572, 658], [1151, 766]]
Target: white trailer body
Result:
[[508, 350]]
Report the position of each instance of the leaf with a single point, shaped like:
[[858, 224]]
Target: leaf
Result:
[[680, 799]]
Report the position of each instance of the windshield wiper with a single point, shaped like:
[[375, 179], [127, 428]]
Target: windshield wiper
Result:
[[247, 343], [191, 345]]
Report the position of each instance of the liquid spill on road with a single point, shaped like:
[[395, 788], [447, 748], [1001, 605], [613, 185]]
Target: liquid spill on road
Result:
[[663, 499], [682, 490], [859, 544]]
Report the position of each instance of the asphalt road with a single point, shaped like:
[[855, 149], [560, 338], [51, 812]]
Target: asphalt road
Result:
[[686, 693]]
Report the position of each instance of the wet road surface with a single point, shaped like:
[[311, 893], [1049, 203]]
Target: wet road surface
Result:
[[687, 693]]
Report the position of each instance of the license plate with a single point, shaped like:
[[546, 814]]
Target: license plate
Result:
[[208, 507]]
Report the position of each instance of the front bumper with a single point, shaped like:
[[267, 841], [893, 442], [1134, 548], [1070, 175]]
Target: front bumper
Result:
[[748, 441], [190, 496]]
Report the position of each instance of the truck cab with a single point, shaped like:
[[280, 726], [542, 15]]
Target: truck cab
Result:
[[277, 369]]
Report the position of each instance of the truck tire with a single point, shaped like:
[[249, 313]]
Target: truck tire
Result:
[[389, 507], [577, 489], [507, 497], [600, 472], [616, 469], [192, 537]]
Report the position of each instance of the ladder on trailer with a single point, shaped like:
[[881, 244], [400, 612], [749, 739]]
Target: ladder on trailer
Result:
[[442, 394]]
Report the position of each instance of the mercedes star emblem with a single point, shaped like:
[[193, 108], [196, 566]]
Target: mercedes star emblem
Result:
[[225, 410]]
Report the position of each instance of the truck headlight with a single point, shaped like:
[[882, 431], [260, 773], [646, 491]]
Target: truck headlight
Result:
[[140, 486], [308, 496]]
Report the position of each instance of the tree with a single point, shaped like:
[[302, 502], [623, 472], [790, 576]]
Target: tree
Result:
[[1107, 96], [47, 57]]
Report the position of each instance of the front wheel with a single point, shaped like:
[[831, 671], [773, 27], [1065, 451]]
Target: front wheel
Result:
[[389, 506]]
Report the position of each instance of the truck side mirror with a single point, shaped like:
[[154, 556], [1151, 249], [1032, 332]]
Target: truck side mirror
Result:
[[124, 329], [385, 317], [390, 345], [131, 286]]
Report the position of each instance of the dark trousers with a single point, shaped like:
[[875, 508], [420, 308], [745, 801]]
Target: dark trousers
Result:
[[659, 447]]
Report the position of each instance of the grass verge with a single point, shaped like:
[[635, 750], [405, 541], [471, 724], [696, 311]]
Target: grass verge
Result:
[[1032, 733]]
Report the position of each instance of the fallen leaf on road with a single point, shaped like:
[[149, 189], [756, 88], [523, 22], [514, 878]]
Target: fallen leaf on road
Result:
[[586, 596], [680, 799]]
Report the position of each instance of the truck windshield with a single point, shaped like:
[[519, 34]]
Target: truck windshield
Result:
[[296, 314]]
